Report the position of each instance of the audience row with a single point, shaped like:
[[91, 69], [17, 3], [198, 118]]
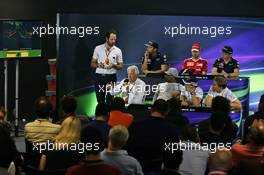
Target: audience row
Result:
[[114, 143]]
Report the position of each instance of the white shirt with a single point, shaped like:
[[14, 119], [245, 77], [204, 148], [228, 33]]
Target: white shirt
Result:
[[165, 90], [136, 93], [227, 93], [194, 160], [198, 93], [101, 54], [120, 158]]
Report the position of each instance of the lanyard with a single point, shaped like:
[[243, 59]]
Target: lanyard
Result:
[[131, 88], [107, 53]]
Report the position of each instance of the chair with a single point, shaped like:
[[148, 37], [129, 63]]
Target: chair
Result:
[[30, 170], [32, 156]]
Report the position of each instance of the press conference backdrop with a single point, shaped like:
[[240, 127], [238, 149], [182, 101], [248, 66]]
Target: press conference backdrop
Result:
[[80, 33]]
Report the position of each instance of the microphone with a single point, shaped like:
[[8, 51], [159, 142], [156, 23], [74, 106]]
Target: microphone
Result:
[[126, 80], [126, 84]]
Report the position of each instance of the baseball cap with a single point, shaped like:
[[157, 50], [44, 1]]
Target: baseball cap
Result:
[[196, 47], [190, 81], [152, 44], [227, 49], [172, 71]]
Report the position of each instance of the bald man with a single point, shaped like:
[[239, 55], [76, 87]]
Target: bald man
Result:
[[220, 162]]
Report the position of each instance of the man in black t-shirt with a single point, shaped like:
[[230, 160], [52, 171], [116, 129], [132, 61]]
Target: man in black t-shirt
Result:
[[153, 61], [148, 137], [226, 65]]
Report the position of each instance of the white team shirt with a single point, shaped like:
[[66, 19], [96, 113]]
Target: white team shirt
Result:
[[188, 95], [165, 90], [136, 93], [101, 54], [227, 93]]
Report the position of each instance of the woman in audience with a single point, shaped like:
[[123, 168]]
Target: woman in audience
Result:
[[69, 106], [62, 157]]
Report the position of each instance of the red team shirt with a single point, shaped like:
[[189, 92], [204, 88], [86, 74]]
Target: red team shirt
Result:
[[200, 65]]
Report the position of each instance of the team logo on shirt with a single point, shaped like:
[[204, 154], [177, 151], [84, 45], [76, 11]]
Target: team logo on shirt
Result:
[[221, 65], [190, 64]]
